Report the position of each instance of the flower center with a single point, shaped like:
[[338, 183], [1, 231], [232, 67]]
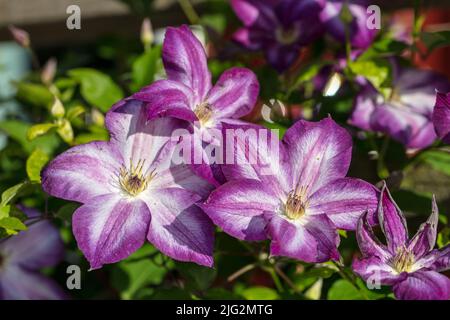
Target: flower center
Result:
[[286, 36], [296, 204], [133, 180], [403, 261], [203, 112]]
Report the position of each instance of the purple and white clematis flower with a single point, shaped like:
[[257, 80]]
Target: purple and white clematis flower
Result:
[[188, 93], [441, 116], [361, 36], [406, 115], [278, 27], [24, 254], [411, 266], [299, 201], [131, 190]]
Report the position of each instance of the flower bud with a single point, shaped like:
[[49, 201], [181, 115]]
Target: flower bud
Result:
[[20, 36], [147, 35], [57, 109], [49, 71]]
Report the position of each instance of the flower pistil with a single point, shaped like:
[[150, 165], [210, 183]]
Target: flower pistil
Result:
[[296, 204], [133, 180], [403, 261]]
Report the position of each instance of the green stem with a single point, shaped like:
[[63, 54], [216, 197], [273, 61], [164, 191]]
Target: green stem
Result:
[[416, 28], [189, 11], [275, 278], [344, 275]]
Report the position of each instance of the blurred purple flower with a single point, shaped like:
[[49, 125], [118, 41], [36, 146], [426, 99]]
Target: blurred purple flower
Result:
[[407, 114], [188, 93], [360, 35], [23, 255], [131, 190], [298, 201], [411, 266], [441, 116], [278, 27]]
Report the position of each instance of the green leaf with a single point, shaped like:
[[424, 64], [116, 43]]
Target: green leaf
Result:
[[34, 94], [66, 211], [315, 291], [9, 194], [434, 40], [198, 277], [145, 67], [344, 290], [17, 130], [439, 160], [376, 71], [97, 88], [35, 162], [39, 130], [12, 224], [136, 272], [74, 112], [260, 293], [217, 22], [65, 131]]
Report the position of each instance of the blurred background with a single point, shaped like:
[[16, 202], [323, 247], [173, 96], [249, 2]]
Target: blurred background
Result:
[[109, 58]]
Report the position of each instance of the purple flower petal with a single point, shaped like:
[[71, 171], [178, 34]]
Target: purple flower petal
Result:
[[425, 238], [258, 155], [109, 228], [179, 229], [82, 172], [314, 239], [363, 108], [441, 116], [235, 93], [442, 262], [282, 57], [392, 222], [360, 35], [17, 283], [417, 88], [167, 98], [318, 153], [344, 201], [246, 11], [376, 270], [237, 207], [423, 285], [37, 247], [184, 59], [367, 241], [411, 129], [138, 139]]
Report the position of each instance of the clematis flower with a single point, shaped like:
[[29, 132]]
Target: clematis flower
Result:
[[411, 266], [299, 201], [441, 116], [361, 36], [23, 255], [278, 27], [131, 191], [188, 94], [406, 115]]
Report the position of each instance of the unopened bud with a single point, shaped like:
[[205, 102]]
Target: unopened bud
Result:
[[20, 36], [57, 109], [147, 35], [49, 71], [97, 118]]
